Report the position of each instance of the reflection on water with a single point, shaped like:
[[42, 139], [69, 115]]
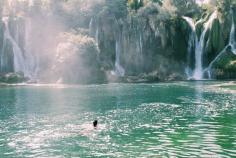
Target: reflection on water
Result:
[[7, 108], [135, 120]]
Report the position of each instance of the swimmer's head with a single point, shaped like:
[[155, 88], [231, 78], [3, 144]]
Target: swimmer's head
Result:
[[95, 123]]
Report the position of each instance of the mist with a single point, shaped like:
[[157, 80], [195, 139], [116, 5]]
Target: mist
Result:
[[50, 34]]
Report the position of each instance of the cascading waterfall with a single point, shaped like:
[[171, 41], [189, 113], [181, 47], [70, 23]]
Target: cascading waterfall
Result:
[[138, 41], [16, 51], [94, 29], [97, 35], [22, 59], [198, 72], [191, 44], [119, 70], [91, 27], [139, 47], [19, 61], [199, 45], [141, 43], [94, 32]]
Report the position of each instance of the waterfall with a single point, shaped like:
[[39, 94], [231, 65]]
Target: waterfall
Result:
[[94, 29], [199, 49], [94, 32], [198, 56], [141, 43], [97, 35], [119, 70], [23, 61], [199, 46], [191, 23], [19, 61], [139, 46], [191, 44]]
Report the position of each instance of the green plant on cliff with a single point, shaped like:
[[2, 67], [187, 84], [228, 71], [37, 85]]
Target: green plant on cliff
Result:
[[225, 4], [117, 8], [135, 4], [186, 7]]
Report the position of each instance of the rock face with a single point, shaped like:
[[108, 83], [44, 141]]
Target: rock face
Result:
[[149, 43]]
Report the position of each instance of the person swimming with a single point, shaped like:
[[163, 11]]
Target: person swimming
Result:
[[95, 123]]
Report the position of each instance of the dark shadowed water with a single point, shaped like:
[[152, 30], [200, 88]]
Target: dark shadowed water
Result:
[[181, 119]]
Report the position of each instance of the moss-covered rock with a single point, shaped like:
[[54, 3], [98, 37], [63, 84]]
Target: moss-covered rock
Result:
[[214, 43], [12, 78], [225, 68]]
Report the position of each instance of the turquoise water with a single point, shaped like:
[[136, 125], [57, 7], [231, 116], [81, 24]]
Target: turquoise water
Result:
[[179, 119]]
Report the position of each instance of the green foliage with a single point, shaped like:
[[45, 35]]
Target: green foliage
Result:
[[117, 8], [157, 1], [225, 67], [135, 4], [228, 62], [225, 4], [185, 7]]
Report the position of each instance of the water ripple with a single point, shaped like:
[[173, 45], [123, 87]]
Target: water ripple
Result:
[[194, 123]]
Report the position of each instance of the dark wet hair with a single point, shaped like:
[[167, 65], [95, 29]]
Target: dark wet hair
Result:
[[95, 123]]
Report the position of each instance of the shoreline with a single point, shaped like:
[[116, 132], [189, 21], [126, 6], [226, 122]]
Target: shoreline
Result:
[[221, 85]]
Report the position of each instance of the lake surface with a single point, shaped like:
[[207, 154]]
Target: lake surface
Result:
[[179, 119]]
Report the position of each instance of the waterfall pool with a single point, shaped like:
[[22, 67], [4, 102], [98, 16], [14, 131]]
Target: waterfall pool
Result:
[[178, 119]]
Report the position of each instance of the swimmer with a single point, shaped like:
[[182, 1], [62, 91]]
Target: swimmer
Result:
[[95, 123]]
